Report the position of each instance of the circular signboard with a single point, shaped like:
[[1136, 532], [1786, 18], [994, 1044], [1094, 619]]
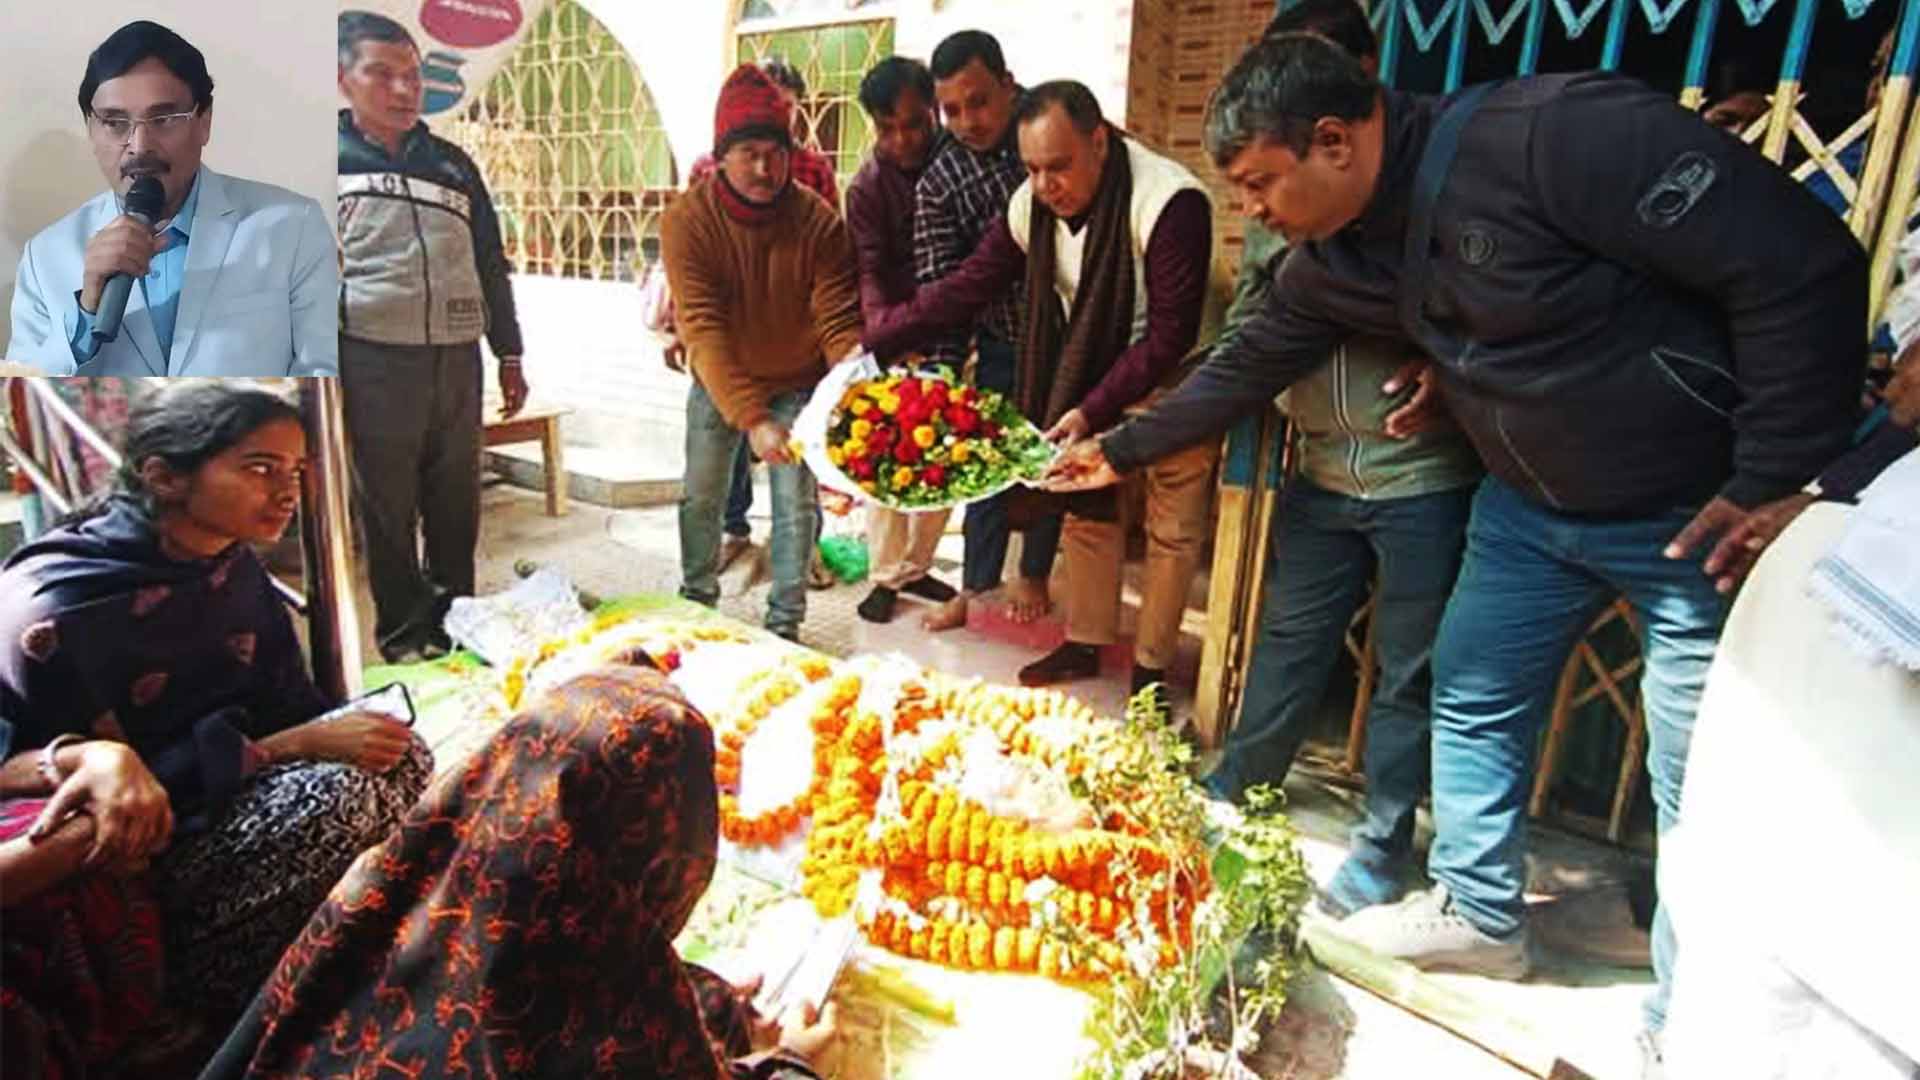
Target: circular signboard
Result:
[[471, 24]]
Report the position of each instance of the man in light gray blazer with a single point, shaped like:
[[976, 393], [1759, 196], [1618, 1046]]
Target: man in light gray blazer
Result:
[[234, 278]]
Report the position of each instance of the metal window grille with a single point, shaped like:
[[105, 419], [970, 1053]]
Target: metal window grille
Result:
[[573, 150], [832, 59], [782, 10]]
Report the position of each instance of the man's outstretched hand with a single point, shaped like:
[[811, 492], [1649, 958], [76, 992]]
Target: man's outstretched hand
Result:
[[1080, 467], [1743, 536], [1069, 429]]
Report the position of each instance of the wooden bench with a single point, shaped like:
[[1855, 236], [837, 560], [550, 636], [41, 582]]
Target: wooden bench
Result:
[[535, 423]]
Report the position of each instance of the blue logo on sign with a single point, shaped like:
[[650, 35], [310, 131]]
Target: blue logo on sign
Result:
[[440, 72]]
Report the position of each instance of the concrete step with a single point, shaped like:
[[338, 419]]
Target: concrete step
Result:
[[595, 475]]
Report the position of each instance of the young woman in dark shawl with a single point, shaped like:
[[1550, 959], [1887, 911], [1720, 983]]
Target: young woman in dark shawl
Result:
[[520, 922], [154, 703]]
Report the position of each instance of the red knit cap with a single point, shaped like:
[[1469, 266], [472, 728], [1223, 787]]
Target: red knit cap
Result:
[[752, 106]]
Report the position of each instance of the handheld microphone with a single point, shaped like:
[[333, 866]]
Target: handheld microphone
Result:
[[145, 199]]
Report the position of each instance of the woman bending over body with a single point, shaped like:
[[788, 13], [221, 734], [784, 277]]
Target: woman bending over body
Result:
[[520, 922]]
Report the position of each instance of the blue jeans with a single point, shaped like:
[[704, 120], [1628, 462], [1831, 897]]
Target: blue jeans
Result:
[[740, 494], [986, 529], [740, 497], [710, 448], [1324, 552], [1532, 582]]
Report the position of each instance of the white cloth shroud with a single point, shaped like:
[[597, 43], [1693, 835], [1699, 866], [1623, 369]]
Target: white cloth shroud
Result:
[[1870, 581]]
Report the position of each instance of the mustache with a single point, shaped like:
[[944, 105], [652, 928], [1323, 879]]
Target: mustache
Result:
[[145, 163]]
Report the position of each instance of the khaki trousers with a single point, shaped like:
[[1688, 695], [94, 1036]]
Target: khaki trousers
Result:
[[901, 546], [1179, 492]]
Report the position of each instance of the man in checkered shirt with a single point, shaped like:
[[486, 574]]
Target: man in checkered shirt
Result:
[[964, 190]]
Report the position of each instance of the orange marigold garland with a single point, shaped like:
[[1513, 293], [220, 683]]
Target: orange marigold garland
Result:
[[938, 877], [666, 643], [763, 694]]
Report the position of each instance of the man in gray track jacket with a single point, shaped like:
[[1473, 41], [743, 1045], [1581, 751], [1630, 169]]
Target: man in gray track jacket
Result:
[[422, 279]]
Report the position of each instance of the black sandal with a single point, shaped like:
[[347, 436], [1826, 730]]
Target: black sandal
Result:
[[930, 588], [878, 606], [1064, 664]]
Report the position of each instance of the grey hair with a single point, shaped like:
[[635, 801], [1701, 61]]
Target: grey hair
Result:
[[359, 26], [1279, 89]]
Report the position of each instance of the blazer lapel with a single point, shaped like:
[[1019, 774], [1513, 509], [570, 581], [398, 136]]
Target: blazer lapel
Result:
[[214, 220], [136, 329]]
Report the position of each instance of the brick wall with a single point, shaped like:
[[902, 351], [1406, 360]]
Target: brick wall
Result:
[[1181, 49], [1150, 73]]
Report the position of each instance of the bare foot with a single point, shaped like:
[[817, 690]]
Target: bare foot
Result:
[[1027, 599], [948, 616]]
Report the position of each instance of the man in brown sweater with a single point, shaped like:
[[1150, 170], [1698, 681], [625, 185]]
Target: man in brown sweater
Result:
[[764, 285]]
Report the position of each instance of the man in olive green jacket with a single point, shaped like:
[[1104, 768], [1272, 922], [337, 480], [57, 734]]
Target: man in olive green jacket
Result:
[[1363, 504]]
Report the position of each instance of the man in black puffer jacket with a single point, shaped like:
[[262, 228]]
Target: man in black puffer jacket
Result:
[[1649, 332]]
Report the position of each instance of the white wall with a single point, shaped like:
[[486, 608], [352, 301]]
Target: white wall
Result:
[[683, 58], [273, 102], [1058, 39], [587, 350]]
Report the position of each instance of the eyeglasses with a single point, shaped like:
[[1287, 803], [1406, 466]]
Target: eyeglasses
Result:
[[120, 129]]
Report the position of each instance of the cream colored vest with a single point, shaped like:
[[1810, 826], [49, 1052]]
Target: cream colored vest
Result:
[[1156, 180]]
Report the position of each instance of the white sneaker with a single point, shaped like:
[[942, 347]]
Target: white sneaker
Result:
[[1427, 931]]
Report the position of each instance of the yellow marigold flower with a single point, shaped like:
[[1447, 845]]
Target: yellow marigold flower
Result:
[[861, 429], [836, 456], [924, 435], [853, 448], [902, 477], [961, 452], [860, 406], [890, 404]]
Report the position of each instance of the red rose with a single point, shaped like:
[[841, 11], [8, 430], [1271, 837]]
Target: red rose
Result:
[[990, 429], [938, 396], [934, 475], [906, 451], [862, 468], [962, 419], [909, 390]]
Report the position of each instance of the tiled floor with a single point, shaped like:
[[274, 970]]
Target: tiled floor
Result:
[[1586, 1010]]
